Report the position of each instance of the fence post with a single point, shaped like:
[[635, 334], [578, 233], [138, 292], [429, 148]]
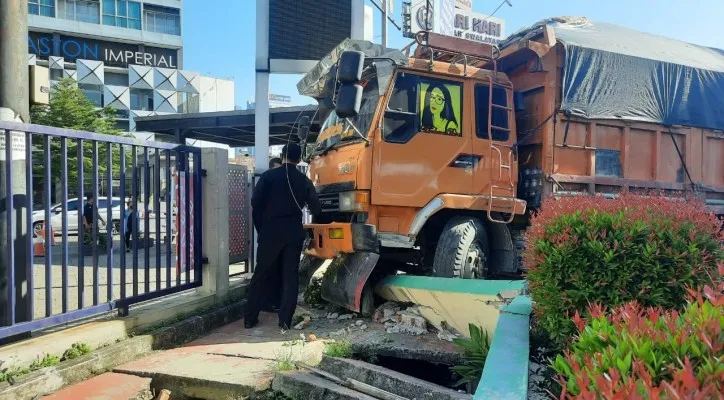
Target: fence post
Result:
[[215, 221]]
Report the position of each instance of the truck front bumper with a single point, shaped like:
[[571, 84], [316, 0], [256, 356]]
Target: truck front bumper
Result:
[[329, 240]]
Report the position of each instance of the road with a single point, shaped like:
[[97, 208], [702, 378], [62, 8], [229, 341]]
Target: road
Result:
[[168, 277]]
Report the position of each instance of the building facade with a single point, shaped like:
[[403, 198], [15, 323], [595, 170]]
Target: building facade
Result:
[[125, 54]]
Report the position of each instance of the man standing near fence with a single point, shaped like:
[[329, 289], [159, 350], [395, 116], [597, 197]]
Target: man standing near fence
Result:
[[277, 207], [276, 290]]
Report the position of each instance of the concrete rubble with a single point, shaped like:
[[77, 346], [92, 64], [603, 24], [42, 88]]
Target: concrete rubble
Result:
[[397, 320]]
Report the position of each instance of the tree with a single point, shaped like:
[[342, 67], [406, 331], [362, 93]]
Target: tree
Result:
[[69, 108]]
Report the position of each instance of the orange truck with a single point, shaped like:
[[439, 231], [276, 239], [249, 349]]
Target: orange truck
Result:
[[431, 163]]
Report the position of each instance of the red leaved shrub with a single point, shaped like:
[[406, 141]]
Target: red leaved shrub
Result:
[[588, 249], [649, 353]]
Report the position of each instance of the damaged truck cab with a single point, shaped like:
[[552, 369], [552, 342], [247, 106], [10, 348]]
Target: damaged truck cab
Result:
[[431, 164], [414, 164]]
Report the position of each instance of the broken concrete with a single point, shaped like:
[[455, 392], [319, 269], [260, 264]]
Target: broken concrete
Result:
[[305, 385], [388, 380]]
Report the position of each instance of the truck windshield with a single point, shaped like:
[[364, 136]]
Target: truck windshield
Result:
[[334, 130]]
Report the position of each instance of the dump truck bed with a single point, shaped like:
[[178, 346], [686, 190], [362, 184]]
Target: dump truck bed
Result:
[[589, 127]]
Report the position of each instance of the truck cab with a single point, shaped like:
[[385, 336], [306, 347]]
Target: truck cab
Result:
[[415, 165]]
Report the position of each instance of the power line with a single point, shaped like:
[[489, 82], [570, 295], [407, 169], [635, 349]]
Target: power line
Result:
[[498, 8]]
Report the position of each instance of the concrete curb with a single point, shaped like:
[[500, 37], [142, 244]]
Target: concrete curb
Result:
[[51, 379], [505, 374]]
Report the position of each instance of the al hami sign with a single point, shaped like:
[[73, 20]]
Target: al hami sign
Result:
[[466, 24], [111, 53]]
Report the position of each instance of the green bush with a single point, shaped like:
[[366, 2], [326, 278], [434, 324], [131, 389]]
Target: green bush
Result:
[[635, 352], [75, 351], [341, 348], [475, 352], [585, 250]]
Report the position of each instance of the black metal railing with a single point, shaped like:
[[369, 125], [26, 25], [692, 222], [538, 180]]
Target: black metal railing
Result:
[[164, 240]]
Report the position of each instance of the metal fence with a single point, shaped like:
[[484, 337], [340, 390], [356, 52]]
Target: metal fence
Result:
[[46, 284], [240, 225]]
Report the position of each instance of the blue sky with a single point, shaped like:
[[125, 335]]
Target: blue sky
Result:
[[219, 35]]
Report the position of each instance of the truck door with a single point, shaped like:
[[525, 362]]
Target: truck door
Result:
[[424, 147], [498, 173]]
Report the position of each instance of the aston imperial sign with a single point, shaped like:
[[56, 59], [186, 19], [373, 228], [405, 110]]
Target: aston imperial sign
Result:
[[70, 48]]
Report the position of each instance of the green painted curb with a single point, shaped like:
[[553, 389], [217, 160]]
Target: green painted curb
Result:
[[505, 375], [452, 285]]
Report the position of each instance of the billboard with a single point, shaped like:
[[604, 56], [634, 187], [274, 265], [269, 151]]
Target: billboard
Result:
[[465, 24], [307, 29]]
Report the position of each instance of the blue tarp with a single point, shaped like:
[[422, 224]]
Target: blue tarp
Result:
[[612, 72]]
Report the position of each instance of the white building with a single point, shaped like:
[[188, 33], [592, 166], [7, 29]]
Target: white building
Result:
[[126, 54]]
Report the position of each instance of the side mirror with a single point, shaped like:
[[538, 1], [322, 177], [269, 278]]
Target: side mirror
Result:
[[349, 74], [349, 101], [303, 129], [350, 66], [518, 101]]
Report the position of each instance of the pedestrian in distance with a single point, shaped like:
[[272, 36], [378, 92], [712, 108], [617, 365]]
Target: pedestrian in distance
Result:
[[131, 219], [89, 211], [277, 208], [275, 162]]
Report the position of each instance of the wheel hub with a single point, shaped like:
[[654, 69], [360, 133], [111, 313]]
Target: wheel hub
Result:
[[475, 267]]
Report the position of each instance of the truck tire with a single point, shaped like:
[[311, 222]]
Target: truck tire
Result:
[[462, 250]]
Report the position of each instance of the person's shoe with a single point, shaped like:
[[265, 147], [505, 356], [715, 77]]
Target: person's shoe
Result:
[[248, 323]]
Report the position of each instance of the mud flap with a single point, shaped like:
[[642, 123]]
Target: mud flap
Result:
[[346, 278]]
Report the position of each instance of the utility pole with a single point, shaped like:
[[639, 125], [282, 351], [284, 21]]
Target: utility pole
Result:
[[385, 8], [14, 99]]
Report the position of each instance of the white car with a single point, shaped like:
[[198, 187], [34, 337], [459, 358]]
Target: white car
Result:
[[74, 206]]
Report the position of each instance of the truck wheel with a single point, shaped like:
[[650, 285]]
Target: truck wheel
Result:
[[462, 250]]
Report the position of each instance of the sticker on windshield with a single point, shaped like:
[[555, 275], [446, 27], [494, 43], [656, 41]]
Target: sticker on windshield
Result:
[[440, 111]]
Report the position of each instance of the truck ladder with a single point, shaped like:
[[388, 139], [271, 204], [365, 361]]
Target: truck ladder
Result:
[[498, 184]]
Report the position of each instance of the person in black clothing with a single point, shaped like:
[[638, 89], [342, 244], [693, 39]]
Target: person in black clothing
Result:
[[275, 162], [276, 292], [131, 220], [88, 216], [277, 205]]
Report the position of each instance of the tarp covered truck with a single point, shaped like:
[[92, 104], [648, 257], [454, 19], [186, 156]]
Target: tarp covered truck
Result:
[[431, 163]]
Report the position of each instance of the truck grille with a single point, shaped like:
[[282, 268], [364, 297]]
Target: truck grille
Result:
[[329, 202]]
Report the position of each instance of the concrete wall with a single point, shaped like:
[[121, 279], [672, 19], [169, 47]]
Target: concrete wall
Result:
[[216, 94]]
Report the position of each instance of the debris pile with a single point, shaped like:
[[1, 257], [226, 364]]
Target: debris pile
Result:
[[397, 320]]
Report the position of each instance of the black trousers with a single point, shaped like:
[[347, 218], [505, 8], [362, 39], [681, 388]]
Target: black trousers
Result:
[[274, 260]]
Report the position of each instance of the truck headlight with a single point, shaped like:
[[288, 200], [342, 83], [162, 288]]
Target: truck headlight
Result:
[[357, 200], [346, 201]]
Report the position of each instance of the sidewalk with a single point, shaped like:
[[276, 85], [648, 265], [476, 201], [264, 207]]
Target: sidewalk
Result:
[[233, 362]]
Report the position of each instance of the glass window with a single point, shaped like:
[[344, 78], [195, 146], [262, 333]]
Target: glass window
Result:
[[94, 93], [500, 115], [102, 203], [56, 74], [80, 10], [162, 19], [45, 8], [73, 205], [419, 104], [122, 13], [115, 79], [142, 99]]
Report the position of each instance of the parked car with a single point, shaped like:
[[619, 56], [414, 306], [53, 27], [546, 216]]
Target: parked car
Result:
[[74, 206]]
